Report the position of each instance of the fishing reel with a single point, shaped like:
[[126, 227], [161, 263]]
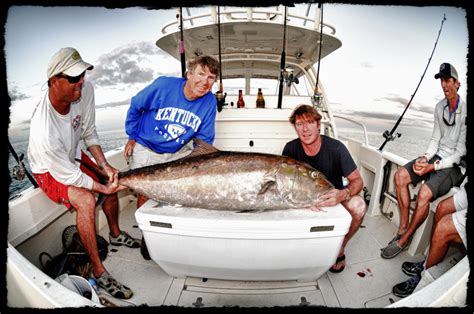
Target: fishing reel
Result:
[[289, 77], [220, 98], [390, 137], [18, 171], [317, 100]]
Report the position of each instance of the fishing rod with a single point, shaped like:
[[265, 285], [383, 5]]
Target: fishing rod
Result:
[[221, 88], [181, 43], [389, 135], [19, 171], [220, 95], [316, 99], [282, 63]]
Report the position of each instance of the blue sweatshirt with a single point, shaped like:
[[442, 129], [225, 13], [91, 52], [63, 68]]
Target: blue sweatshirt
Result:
[[162, 119]]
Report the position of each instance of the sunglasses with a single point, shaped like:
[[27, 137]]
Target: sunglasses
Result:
[[72, 79], [447, 120]]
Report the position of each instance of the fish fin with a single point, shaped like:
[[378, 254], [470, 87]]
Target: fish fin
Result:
[[201, 148], [266, 185], [269, 180]]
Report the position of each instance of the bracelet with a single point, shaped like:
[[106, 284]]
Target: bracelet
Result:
[[348, 194], [102, 164]]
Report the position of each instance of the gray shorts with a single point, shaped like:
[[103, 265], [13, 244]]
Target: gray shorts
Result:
[[459, 217], [143, 156], [439, 181]]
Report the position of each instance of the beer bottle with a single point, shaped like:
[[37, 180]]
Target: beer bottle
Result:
[[240, 101], [260, 101]]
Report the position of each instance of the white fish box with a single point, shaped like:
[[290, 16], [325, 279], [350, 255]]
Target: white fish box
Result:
[[289, 244]]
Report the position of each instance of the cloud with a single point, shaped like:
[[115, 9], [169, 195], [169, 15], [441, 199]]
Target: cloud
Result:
[[114, 104], [377, 115], [397, 99], [403, 102], [15, 94], [425, 108], [128, 64]]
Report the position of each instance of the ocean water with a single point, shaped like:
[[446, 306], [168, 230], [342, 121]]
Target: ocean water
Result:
[[111, 134]]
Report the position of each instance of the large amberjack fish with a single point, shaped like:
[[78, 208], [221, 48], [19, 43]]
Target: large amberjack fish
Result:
[[225, 180]]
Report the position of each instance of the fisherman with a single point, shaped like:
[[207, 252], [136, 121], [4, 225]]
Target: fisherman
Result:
[[167, 114], [63, 117], [332, 158], [449, 226], [437, 166]]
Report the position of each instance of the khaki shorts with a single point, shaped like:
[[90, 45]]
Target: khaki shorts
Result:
[[439, 181], [143, 156], [459, 217]]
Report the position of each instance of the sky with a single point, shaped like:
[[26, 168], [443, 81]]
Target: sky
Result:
[[371, 77]]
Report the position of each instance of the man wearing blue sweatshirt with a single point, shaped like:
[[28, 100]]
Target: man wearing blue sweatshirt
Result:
[[165, 116]]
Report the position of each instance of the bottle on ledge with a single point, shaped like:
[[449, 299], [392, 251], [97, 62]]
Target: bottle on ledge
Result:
[[260, 100], [240, 101]]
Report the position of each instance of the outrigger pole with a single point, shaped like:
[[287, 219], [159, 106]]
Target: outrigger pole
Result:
[[181, 43], [316, 99], [320, 5], [389, 135], [221, 87], [282, 63]]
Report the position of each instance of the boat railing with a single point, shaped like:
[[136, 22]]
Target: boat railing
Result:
[[362, 125], [253, 14]]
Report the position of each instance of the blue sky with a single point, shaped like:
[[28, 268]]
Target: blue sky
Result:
[[384, 52]]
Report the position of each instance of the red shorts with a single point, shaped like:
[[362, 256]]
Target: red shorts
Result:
[[56, 191]]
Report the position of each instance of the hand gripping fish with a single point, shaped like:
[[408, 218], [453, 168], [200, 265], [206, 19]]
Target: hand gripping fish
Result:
[[225, 180]]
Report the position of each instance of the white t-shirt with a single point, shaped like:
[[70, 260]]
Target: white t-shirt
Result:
[[448, 142], [54, 138]]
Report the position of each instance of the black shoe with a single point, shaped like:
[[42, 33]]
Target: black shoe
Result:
[[412, 269], [404, 289], [144, 250]]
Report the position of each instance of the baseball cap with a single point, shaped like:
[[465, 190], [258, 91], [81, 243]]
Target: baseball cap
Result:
[[446, 70], [68, 61]]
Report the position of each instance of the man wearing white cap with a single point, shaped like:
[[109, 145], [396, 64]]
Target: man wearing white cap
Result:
[[63, 117], [437, 167]]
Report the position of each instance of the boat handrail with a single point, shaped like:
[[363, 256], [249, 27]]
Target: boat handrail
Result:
[[358, 123], [250, 16]]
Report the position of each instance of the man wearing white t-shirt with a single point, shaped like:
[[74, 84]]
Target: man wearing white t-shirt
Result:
[[63, 117]]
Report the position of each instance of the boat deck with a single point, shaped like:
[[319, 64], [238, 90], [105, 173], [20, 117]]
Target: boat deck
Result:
[[366, 282]]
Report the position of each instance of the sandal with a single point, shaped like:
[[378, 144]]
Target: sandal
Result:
[[339, 259], [124, 239], [113, 287]]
